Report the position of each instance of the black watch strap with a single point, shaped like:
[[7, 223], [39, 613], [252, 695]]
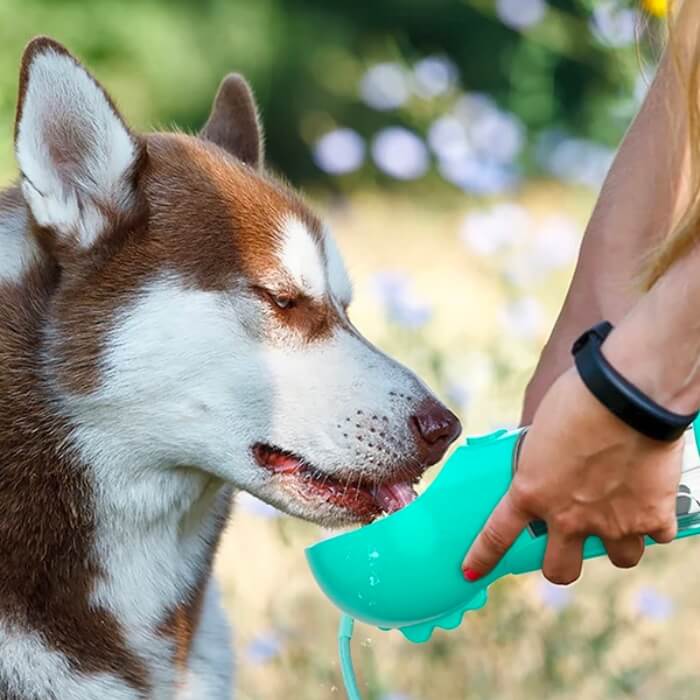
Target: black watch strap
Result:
[[621, 397]]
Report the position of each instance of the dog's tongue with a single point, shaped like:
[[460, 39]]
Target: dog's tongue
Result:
[[393, 497], [282, 464]]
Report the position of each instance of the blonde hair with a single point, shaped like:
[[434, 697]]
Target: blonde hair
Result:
[[685, 231]]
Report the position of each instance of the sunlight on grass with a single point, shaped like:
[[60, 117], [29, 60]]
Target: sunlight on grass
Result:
[[470, 316]]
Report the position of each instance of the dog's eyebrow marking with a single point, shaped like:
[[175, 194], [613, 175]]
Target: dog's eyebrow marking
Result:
[[338, 278], [301, 258]]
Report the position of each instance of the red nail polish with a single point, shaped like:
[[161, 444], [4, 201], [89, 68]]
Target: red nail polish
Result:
[[471, 575]]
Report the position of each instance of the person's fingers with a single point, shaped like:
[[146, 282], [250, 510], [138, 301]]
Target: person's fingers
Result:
[[502, 528], [667, 533], [563, 559], [625, 552]]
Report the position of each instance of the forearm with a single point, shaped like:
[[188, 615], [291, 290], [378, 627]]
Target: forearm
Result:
[[657, 345], [637, 205]]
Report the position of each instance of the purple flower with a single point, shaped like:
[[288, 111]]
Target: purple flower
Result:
[[575, 161], [384, 86], [264, 647], [614, 25], [400, 153], [495, 134], [339, 151], [479, 176], [256, 507], [521, 14], [434, 76], [652, 604], [400, 302], [553, 596], [448, 139]]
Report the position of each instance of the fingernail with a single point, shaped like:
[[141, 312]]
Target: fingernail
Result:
[[471, 575]]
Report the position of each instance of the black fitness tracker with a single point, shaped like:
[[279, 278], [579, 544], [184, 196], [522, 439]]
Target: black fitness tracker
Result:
[[621, 397]]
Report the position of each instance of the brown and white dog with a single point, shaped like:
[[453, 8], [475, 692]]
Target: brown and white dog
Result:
[[173, 327]]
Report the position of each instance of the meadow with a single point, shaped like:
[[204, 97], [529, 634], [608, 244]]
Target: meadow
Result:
[[469, 312], [456, 151]]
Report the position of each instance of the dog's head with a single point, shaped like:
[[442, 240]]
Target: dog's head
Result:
[[200, 314]]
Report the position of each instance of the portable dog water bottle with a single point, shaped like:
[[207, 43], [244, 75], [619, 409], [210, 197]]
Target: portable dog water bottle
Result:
[[403, 571]]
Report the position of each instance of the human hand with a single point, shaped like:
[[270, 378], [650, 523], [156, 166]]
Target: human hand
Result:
[[584, 472]]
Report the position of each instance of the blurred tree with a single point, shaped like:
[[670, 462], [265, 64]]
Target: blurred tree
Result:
[[546, 63]]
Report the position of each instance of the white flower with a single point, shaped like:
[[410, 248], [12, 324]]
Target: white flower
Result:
[[480, 371], [492, 230], [553, 596], [384, 86], [521, 14], [523, 318], [339, 151], [447, 137], [478, 175], [400, 153], [556, 242], [256, 507], [498, 135], [653, 604], [576, 161], [494, 135], [434, 76], [264, 647], [614, 25], [460, 394]]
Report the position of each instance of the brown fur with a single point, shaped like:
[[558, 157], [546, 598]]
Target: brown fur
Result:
[[46, 525], [233, 123], [196, 199], [202, 211], [182, 622]]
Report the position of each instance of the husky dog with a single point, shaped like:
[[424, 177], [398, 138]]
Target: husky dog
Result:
[[173, 328]]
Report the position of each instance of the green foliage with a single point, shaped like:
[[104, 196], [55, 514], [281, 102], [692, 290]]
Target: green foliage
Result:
[[163, 59]]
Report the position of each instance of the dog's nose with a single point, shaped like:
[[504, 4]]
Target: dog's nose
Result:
[[436, 427]]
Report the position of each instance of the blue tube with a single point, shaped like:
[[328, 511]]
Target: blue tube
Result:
[[344, 636]]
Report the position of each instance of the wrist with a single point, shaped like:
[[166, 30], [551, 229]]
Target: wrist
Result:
[[592, 418], [659, 364]]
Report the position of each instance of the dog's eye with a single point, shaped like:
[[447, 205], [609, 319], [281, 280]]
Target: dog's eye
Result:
[[283, 301]]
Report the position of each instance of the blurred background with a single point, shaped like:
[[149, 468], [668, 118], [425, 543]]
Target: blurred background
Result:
[[456, 147]]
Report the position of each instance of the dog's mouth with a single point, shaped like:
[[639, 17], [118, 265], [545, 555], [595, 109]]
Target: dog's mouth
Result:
[[365, 500]]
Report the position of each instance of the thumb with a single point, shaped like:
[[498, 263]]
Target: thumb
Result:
[[502, 528]]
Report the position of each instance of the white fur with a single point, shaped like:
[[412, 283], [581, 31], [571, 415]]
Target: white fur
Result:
[[63, 104], [32, 670], [18, 250], [191, 380], [300, 257], [338, 278], [188, 382], [210, 669], [157, 516]]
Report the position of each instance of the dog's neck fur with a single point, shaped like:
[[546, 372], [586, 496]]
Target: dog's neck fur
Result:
[[104, 559]]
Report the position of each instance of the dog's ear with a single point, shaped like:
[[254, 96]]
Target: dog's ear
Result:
[[234, 124], [76, 155]]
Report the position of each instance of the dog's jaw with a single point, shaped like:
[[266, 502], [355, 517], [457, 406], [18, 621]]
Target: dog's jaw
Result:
[[355, 498]]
